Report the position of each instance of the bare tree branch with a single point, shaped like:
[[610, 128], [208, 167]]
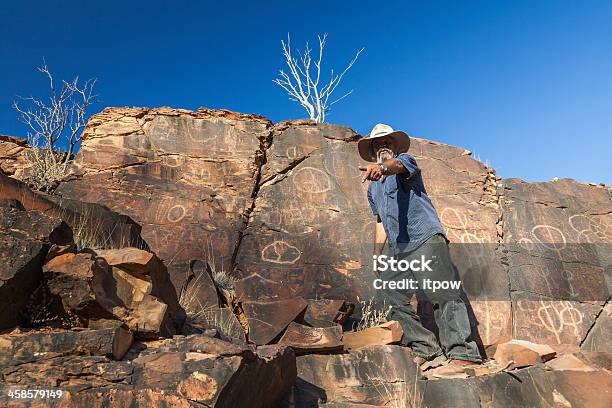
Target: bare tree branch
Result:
[[304, 82], [55, 125]]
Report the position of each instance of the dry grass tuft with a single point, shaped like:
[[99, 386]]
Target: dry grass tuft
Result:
[[223, 280], [90, 231], [371, 314], [209, 316]]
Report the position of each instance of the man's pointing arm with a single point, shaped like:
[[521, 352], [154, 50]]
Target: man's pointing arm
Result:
[[375, 171]]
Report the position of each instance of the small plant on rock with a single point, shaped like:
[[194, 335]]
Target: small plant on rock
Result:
[[223, 280]]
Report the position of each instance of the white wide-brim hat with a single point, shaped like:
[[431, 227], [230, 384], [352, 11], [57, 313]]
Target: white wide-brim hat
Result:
[[367, 153]]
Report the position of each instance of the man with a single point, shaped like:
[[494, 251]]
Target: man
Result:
[[413, 231]]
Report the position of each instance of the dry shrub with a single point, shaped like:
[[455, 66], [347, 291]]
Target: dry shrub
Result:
[[45, 168]]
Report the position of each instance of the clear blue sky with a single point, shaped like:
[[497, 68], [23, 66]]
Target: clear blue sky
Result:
[[525, 85]]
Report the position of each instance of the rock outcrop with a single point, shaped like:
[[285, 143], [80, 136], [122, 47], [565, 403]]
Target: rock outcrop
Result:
[[188, 371], [187, 178], [91, 223], [283, 204], [13, 155], [267, 228]]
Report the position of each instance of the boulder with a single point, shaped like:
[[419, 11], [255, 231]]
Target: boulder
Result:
[[221, 320], [13, 152], [308, 340], [523, 353], [76, 281], [569, 362], [146, 266], [196, 288], [383, 334], [327, 312], [25, 238], [381, 376], [268, 320], [128, 284], [33, 346]]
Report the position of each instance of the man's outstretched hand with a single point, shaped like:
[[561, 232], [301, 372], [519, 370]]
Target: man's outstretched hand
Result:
[[371, 172]]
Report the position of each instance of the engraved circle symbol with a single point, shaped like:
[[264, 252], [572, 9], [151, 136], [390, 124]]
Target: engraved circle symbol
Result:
[[452, 218], [549, 236], [280, 252], [311, 180], [176, 213], [526, 243]]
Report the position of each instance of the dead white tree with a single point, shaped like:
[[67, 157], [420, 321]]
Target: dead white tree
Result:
[[303, 82], [54, 127]]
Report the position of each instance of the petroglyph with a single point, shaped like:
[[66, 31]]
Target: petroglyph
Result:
[[458, 230], [174, 161], [527, 244], [280, 252], [311, 180], [176, 213], [451, 218], [590, 229], [342, 165], [554, 316], [494, 319], [549, 237], [168, 211]]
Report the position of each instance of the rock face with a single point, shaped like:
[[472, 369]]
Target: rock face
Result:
[[282, 206], [559, 239], [12, 155], [310, 197], [528, 387], [380, 376], [186, 177]]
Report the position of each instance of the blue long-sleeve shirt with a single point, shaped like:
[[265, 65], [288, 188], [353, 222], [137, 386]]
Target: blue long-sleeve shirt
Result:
[[406, 212]]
